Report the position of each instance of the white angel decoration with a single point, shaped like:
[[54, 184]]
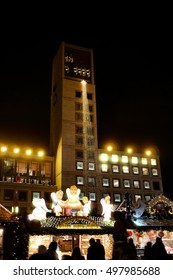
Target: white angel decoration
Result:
[[40, 210], [107, 208], [57, 202]]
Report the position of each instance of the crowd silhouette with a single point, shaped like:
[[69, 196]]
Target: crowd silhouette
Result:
[[122, 250]]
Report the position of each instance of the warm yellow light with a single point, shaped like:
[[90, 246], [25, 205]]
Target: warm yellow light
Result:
[[40, 153], [129, 150], [3, 149], [109, 148], [114, 158], [134, 160], [83, 82], [104, 157], [125, 159], [28, 152], [148, 153], [16, 150]]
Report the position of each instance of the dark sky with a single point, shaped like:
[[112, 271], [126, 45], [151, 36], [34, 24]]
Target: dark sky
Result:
[[134, 86]]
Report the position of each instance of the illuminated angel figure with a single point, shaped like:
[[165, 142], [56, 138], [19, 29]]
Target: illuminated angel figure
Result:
[[73, 200], [107, 208], [139, 208], [86, 206], [40, 210], [57, 202]]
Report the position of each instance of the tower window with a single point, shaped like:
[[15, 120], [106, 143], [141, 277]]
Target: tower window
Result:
[[90, 155], [79, 154], [78, 94], [89, 96]]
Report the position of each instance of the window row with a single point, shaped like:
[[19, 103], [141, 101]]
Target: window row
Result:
[[80, 95], [114, 158], [79, 107], [19, 167], [23, 196], [117, 183], [80, 130], [145, 171], [117, 197]]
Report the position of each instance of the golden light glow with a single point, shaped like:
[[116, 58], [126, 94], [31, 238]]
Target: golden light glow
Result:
[[3, 149], [148, 152], [40, 153], [109, 148], [83, 82], [129, 150], [28, 152], [16, 150]]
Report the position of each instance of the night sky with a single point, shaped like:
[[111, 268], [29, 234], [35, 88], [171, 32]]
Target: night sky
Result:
[[134, 86]]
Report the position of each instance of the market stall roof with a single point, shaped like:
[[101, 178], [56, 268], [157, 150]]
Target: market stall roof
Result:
[[70, 225], [5, 214]]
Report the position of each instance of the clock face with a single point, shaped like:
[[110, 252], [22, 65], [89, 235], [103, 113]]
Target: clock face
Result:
[[77, 64]]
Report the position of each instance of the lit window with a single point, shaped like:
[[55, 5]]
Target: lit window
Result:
[[153, 161], [91, 166], [126, 184], [104, 157], [125, 159], [155, 172], [145, 171], [105, 182], [117, 197], [92, 196], [135, 170], [147, 185], [136, 184], [114, 158], [116, 183], [36, 195], [104, 168], [125, 169], [134, 160], [79, 180], [115, 169], [79, 165], [144, 161]]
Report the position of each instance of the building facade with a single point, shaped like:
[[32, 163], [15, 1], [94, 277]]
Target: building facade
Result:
[[74, 142], [74, 157]]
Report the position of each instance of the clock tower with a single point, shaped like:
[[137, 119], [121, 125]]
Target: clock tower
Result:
[[73, 118]]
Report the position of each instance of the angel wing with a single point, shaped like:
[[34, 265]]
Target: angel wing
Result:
[[103, 203]]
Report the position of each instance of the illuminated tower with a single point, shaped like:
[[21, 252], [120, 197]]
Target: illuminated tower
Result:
[[73, 119]]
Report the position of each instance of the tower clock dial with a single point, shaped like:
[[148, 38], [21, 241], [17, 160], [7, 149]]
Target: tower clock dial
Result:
[[77, 64]]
